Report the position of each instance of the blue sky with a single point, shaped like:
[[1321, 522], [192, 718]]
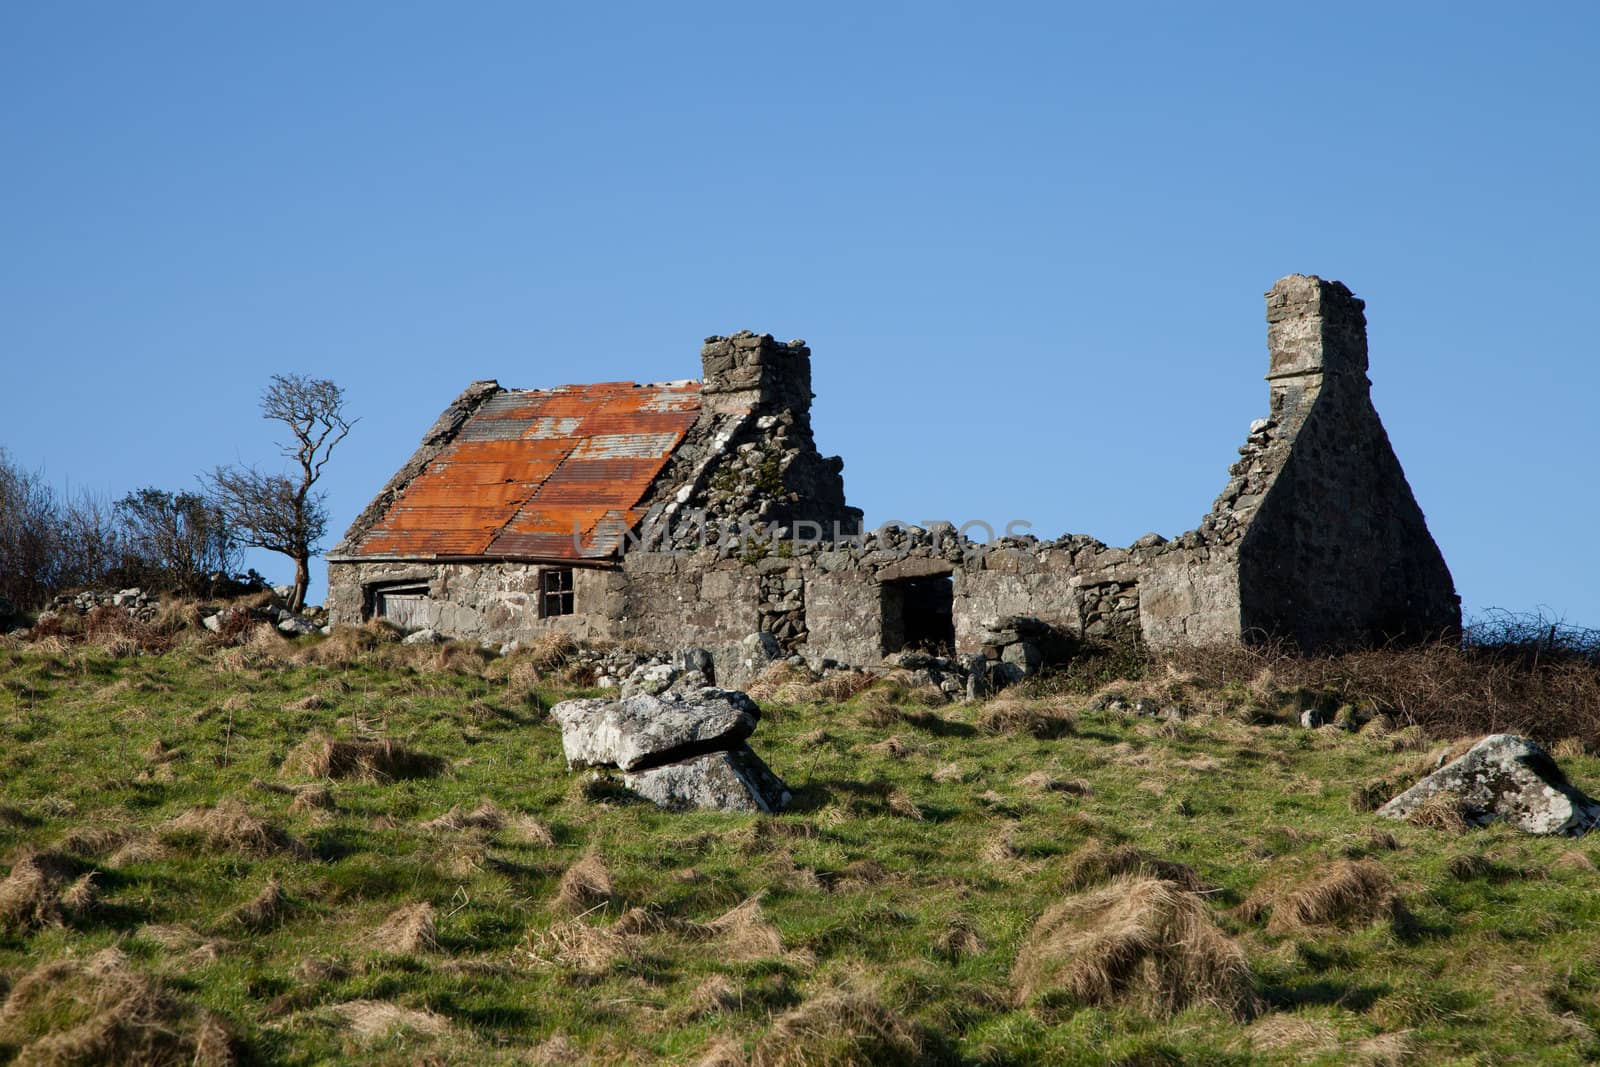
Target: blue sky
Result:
[[1027, 243]]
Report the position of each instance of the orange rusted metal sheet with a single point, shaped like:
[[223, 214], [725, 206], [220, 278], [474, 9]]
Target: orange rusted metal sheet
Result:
[[552, 474]]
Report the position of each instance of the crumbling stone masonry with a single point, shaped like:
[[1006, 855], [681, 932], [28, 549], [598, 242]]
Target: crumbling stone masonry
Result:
[[1316, 537]]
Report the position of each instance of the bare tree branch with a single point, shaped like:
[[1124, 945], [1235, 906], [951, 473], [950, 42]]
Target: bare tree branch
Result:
[[279, 512]]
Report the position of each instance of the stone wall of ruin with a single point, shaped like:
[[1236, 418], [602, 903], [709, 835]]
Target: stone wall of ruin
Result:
[[1315, 537]]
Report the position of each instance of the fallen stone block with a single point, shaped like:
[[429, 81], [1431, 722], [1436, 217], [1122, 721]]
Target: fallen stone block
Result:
[[1505, 777], [645, 728], [735, 780]]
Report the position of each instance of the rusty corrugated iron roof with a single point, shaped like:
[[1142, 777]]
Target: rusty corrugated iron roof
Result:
[[551, 474]]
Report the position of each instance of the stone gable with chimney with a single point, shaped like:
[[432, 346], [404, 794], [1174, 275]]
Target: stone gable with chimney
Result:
[[697, 514]]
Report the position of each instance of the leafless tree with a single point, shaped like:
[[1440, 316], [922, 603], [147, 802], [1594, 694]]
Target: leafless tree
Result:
[[28, 514], [279, 512], [178, 540]]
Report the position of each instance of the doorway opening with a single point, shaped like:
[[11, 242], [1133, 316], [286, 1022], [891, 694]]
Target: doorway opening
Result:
[[919, 615]]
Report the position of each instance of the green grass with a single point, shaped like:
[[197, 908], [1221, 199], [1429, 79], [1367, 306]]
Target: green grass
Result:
[[1498, 962]]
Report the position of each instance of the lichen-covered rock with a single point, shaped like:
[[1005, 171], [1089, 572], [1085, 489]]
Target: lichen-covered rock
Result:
[[735, 780], [645, 728], [1505, 777]]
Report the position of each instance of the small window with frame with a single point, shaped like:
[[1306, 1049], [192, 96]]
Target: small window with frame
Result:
[[555, 592]]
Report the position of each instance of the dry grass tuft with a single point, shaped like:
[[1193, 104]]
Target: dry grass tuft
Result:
[[1342, 893], [714, 996], [950, 772], [371, 1020], [99, 1011], [407, 931], [363, 759], [1306, 1039], [743, 934], [94, 841], [228, 827], [1442, 812], [549, 651], [486, 816], [1095, 864], [1144, 942], [79, 898], [265, 910], [31, 895], [584, 886], [722, 1052], [958, 940], [555, 1051], [837, 1028], [1573, 860], [1044, 782], [1017, 715], [581, 946], [309, 798], [1469, 865], [901, 804], [140, 849], [196, 947], [526, 830]]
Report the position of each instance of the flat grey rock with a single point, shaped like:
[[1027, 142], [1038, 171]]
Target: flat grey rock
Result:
[[736, 780], [1505, 777], [643, 728]]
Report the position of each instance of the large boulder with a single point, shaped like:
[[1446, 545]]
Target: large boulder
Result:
[[733, 780], [644, 728], [1504, 777]]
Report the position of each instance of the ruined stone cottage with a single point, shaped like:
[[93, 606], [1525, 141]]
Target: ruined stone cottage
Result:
[[693, 514]]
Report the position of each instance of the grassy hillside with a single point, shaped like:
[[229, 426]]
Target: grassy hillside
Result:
[[344, 849]]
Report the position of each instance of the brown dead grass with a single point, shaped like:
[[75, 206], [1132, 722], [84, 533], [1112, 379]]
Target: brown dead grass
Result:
[[958, 940], [361, 759], [579, 945], [1343, 893], [229, 827], [408, 930], [1094, 863], [722, 1052], [716, 995], [899, 803], [195, 947], [1443, 812], [839, 1027], [372, 1020], [486, 816], [99, 1011], [1017, 715], [1447, 690], [265, 910], [584, 886], [743, 934], [31, 895], [1045, 782], [1143, 942], [373, 643]]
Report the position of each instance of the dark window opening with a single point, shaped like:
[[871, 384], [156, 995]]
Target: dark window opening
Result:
[[555, 592], [403, 605], [919, 615]]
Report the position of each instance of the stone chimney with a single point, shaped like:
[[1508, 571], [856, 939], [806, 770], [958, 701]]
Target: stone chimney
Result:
[[753, 372], [1316, 330]]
